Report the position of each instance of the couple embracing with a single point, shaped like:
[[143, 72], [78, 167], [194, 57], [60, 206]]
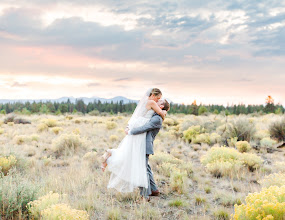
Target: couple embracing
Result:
[[128, 163]]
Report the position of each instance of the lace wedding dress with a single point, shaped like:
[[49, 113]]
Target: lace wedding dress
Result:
[[128, 162]]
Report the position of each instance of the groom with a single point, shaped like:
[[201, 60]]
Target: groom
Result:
[[152, 128]]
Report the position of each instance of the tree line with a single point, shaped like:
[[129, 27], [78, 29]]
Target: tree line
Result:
[[98, 107]]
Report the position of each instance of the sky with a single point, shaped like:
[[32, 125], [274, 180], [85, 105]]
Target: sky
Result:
[[214, 52]]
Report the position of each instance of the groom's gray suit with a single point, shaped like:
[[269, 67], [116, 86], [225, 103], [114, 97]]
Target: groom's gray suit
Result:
[[152, 128]]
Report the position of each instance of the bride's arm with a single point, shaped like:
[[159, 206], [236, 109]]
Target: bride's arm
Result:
[[157, 109]]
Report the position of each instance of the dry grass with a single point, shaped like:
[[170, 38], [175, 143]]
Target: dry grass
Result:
[[62, 154]]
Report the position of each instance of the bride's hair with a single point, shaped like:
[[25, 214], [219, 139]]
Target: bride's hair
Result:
[[155, 91]]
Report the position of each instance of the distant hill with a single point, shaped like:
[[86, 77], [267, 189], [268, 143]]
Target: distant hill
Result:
[[72, 99]]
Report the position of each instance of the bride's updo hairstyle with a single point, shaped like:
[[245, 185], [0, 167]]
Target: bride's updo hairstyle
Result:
[[155, 92]]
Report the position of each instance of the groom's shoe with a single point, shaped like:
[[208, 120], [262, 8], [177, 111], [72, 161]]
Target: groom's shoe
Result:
[[155, 193]]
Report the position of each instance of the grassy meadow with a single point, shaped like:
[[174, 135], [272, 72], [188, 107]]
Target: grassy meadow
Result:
[[206, 167]]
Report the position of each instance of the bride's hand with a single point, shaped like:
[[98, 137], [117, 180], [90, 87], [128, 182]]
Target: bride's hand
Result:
[[164, 114]]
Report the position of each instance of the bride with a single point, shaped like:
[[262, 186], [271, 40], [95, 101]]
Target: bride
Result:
[[127, 163]]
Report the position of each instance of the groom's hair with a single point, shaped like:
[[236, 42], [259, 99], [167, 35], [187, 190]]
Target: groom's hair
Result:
[[166, 105]]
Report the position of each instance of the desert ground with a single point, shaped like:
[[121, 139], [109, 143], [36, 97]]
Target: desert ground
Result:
[[52, 166]]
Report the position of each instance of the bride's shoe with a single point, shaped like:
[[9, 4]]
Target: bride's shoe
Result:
[[104, 159]]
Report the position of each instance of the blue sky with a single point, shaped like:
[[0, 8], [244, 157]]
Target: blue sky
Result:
[[212, 51]]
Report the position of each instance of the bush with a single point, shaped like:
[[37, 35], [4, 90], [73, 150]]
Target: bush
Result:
[[267, 142], [178, 181], [111, 125], [113, 138], [241, 128], [199, 199], [42, 127], [243, 146], [10, 124], [159, 158], [177, 203], [191, 133], [63, 211], [36, 207], [251, 161], [267, 204], [67, 144], [50, 122], [92, 159], [215, 138], [147, 212], [221, 214], [202, 138], [94, 113], [275, 179], [114, 214], [223, 161], [170, 122], [277, 130], [6, 163], [56, 130], [20, 139], [15, 193]]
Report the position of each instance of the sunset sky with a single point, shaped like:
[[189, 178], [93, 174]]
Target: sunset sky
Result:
[[216, 52]]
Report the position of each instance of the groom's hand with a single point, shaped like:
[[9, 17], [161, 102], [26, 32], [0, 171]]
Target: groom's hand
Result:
[[127, 130]]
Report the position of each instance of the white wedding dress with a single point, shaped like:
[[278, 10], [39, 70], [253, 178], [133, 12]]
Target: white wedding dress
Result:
[[128, 162]]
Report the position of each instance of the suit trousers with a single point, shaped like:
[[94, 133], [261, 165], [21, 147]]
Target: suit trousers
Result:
[[145, 192]]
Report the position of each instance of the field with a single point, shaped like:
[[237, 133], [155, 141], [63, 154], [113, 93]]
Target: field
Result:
[[59, 157]]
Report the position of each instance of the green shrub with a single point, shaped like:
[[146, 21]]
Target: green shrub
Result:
[[113, 138], [177, 203], [202, 138], [215, 138], [56, 130], [191, 133], [114, 214], [94, 113], [111, 125], [67, 144], [267, 204], [6, 163], [221, 214], [178, 181], [243, 146], [199, 199], [241, 128], [15, 193], [267, 142], [224, 161], [37, 206], [50, 122], [275, 179], [63, 211], [277, 130], [42, 127]]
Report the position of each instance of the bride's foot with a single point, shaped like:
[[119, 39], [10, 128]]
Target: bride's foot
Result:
[[103, 166], [104, 158]]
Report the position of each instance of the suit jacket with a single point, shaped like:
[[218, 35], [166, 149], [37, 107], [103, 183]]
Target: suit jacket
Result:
[[152, 128]]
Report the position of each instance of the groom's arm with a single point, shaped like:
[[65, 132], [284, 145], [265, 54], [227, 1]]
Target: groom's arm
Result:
[[154, 123]]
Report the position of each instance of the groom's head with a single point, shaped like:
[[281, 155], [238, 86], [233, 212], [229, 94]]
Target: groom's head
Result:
[[163, 104]]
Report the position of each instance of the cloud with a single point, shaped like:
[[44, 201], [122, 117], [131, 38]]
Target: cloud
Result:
[[200, 45], [16, 84], [122, 79], [93, 84]]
